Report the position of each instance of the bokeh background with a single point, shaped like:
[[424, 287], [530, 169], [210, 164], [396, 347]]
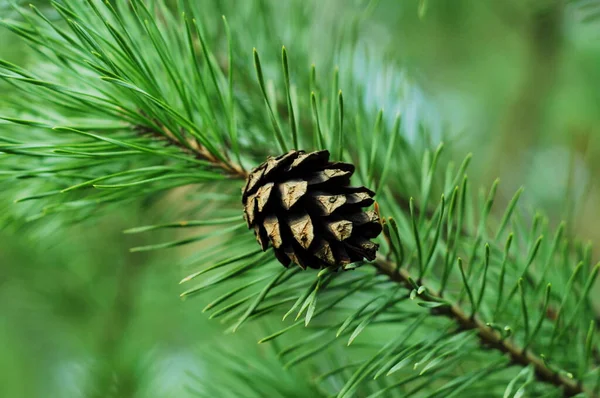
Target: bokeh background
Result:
[[515, 82]]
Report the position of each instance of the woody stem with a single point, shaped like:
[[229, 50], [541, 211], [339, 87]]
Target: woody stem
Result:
[[488, 336]]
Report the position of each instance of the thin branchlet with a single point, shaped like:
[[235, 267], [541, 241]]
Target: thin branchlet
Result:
[[192, 147], [488, 336]]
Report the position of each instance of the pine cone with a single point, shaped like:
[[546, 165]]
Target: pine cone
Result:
[[303, 205]]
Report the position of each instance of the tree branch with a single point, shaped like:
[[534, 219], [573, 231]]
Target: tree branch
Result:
[[488, 336], [193, 148]]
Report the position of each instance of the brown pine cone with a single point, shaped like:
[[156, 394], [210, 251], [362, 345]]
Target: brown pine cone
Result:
[[303, 205]]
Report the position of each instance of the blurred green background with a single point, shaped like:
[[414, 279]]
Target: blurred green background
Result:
[[518, 84]]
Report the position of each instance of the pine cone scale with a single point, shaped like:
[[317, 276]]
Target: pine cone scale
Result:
[[253, 180], [303, 230], [263, 195], [291, 191], [319, 158], [328, 203], [328, 175], [261, 237], [341, 230], [324, 252], [250, 210], [272, 228]]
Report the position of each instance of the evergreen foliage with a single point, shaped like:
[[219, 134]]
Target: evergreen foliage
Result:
[[129, 100]]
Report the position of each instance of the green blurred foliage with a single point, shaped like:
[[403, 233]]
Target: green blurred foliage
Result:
[[519, 82]]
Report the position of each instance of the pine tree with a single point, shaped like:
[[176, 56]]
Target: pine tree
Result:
[[138, 99]]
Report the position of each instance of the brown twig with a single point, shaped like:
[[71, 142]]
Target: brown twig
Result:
[[488, 336], [429, 213], [192, 147]]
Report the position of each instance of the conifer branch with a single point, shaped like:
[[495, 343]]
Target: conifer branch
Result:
[[192, 147], [488, 336], [236, 171]]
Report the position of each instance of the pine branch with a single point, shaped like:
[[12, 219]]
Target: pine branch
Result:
[[236, 171], [488, 336], [191, 147]]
